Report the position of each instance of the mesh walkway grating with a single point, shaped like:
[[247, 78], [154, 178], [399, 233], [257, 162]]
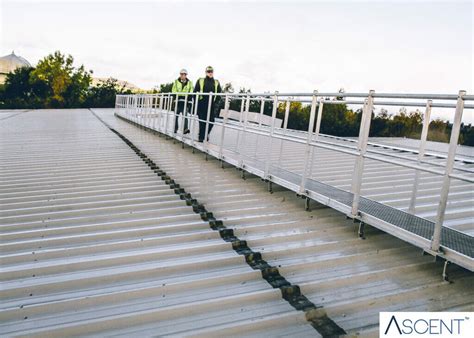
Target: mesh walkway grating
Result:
[[450, 238]]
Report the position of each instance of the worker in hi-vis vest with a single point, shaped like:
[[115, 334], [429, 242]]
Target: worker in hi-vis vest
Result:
[[182, 85], [206, 85]]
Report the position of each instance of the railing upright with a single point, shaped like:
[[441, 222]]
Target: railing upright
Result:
[[262, 110], [316, 136], [272, 129], [135, 108], [140, 109], [242, 108], [148, 111], [421, 153], [309, 137], [143, 110], [152, 109], [453, 143], [174, 115], [208, 116], [193, 120], [285, 125], [184, 115], [158, 115], [125, 105], [168, 109], [362, 148], [243, 126], [154, 116], [226, 116]]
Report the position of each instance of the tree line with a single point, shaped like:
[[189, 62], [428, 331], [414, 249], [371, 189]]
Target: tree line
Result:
[[56, 83]]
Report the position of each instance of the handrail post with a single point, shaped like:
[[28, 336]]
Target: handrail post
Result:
[[309, 137], [173, 123], [193, 121], [168, 108], [126, 106], [316, 135], [144, 110], [453, 143], [166, 101], [183, 118], [285, 125], [242, 108], [287, 114], [244, 130], [362, 148], [421, 153], [208, 116], [155, 115], [139, 109], [272, 128], [262, 109], [226, 115], [160, 112], [126, 101], [135, 108], [148, 111]]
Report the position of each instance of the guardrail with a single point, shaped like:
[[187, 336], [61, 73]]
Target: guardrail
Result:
[[160, 113]]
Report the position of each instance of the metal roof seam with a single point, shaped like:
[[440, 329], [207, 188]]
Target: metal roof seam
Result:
[[315, 315]]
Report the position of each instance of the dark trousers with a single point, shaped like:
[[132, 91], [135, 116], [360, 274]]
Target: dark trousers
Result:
[[181, 111], [202, 114]]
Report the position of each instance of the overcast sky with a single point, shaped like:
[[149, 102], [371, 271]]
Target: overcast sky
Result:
[[389, 46]]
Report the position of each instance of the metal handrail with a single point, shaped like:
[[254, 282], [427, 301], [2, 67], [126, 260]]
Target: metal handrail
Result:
[[155, 110]]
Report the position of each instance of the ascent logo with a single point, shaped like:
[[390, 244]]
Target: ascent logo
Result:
[[426, 324]]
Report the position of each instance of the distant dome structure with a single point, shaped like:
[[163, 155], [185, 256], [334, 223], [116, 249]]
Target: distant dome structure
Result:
[[9, 63]]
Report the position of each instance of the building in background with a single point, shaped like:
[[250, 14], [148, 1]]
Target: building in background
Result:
[[121, 83], [9, 63]]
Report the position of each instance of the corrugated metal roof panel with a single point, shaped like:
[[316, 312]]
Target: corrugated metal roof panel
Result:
[[318, 250], [93, 242]]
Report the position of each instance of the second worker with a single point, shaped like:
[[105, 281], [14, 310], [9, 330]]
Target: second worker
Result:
[[207, 85]]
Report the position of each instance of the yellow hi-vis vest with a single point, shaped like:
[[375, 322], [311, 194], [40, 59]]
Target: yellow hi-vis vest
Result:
[[201, 87], [179, 88]]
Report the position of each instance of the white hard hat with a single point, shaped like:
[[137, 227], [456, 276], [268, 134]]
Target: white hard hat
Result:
[[183, 71]]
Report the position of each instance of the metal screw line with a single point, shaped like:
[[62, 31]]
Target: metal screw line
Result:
[[315, 315]]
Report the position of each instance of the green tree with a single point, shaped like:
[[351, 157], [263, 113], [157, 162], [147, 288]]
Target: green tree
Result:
[[18, 93], [103, 95], [437, 131], [166, 87], [67, 85], [467, 134]]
